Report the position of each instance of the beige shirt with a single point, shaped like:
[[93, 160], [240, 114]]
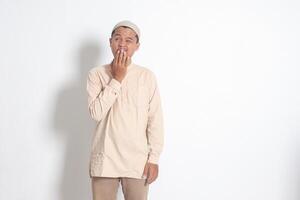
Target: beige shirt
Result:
[[129, 129]]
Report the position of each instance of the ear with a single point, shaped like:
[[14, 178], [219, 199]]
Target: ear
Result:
[[110, 41], [137, 46]]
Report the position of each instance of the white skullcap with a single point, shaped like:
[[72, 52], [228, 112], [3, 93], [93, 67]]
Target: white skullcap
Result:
[[129, 24]]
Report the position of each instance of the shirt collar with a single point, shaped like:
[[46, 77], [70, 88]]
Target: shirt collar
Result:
[[130, 65]]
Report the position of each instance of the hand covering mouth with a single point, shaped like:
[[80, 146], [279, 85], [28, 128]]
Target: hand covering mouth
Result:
[[122, 49]]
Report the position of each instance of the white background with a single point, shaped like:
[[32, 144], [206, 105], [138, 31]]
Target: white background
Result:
[[228, 73]]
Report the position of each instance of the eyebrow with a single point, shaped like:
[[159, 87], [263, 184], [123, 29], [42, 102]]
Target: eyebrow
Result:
[[117, 34]]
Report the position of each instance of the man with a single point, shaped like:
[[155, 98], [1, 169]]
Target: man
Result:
[[124, 100]]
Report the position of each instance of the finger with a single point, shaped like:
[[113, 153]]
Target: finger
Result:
[[152, 174], [118, 57], [123, 58], [127, 60]]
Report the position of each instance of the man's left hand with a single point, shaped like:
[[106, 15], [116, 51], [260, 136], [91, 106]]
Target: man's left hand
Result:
[[150, 172]]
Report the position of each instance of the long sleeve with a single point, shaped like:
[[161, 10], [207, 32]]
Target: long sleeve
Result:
[[101, 96], [155, 132]]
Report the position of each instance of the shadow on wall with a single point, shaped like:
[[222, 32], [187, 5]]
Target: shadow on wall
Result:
[[74, 127]]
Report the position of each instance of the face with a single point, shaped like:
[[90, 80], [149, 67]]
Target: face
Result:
[[124, 39]]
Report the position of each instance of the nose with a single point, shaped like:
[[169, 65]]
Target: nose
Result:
[[122, 43]]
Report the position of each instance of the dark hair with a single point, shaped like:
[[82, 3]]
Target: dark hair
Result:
[[137, 37]]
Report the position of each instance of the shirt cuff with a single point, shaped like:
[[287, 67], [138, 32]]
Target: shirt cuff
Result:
[[153, 159]]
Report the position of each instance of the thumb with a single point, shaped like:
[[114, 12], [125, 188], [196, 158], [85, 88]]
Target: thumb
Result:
[[128, 61], [146, 169]]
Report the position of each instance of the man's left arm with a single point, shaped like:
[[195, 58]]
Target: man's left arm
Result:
[[155, 132], [155, 128]]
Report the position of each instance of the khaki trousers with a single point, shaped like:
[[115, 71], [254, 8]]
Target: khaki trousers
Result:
[[105, 188]]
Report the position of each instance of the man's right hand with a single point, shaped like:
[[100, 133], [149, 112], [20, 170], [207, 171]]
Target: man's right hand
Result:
[[119, 65]]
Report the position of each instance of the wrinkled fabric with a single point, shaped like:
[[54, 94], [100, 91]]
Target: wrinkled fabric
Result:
[[129, 121]]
